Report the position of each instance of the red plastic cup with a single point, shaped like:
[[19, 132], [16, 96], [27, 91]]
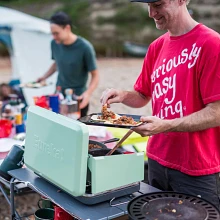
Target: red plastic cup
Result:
[[41, 102], [5, 128], [60, 214]]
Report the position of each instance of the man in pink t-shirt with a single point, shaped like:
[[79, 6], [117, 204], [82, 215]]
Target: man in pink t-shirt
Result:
[[181, 77]]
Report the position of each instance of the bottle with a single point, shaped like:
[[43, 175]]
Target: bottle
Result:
[[59, 92], [7, 114], [16, 109], [75, 97], [70, 107], [18, 113], [69, 95]]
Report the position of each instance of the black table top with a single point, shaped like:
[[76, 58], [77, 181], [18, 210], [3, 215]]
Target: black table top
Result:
[[101, 211]]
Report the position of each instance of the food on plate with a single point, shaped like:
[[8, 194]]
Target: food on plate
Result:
[[34, 84], [107, 115], [125, 120], [93, 146]]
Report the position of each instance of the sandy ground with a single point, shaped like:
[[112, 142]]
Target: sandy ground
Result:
[[114, 73], [121, 74]]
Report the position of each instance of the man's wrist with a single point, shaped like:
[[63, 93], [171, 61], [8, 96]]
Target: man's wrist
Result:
[[124, 96], [174, 124], [88, 92]]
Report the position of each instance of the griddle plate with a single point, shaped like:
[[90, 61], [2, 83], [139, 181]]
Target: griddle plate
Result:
[[171, 206]]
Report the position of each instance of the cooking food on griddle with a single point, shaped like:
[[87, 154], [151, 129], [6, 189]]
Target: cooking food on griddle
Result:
[[93, 146]]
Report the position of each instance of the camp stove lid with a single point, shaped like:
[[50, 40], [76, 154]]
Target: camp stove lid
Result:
[[171, 206], [56, 148]]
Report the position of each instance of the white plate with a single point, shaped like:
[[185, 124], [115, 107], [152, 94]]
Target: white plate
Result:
[[7, 143], [34, 85], [95, 118]]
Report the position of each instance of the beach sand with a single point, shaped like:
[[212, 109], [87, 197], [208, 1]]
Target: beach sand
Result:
[[114, 73]]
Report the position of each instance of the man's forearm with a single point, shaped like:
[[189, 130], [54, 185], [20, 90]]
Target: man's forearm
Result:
[[51, 71], [206, 118], [134, 99], [94, 82]]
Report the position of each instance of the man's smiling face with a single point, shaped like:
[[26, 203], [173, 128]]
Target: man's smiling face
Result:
[[164, 13]]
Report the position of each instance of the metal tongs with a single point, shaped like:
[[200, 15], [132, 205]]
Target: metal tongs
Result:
[[130, 131]]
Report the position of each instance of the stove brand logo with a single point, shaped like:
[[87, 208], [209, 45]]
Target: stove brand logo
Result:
[[48, 148]]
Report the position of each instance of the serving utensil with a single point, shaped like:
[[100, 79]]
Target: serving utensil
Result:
[[109, 140], [130, 131]]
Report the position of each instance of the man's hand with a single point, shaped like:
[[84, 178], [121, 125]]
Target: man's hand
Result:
[[40, 79], [110, 96], [50, 72], [85, 97], [152, 125]]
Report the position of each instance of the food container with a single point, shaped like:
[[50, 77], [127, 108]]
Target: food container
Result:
[[70, 109]]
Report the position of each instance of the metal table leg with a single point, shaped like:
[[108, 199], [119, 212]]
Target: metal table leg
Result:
[[4, 194], [14, 214], [7, 199]]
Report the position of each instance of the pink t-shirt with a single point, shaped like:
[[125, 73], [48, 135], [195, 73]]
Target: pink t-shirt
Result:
[[182, 75]]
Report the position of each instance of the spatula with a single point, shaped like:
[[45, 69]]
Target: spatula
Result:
[[120, 142]]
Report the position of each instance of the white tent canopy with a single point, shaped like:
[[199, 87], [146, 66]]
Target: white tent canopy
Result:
[[30, 55], [16, 19]]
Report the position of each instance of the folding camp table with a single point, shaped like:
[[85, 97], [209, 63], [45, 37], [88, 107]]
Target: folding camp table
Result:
[[114, 209], [18, 188]]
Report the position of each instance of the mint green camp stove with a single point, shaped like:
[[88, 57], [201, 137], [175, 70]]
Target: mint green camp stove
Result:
[[56, 148]]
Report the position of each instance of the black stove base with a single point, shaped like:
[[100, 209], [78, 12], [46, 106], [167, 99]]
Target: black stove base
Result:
[[90, 199]]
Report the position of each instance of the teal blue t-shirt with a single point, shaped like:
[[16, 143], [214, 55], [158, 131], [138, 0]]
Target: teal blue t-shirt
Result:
[[74, 62]]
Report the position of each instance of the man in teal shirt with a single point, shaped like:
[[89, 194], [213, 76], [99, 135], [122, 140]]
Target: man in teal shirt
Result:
[[74, 59]]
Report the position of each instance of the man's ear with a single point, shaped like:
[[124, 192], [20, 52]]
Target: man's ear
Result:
[[68, 27]]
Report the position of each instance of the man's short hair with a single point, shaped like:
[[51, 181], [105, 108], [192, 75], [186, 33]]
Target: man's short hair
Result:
[[61, 18]]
